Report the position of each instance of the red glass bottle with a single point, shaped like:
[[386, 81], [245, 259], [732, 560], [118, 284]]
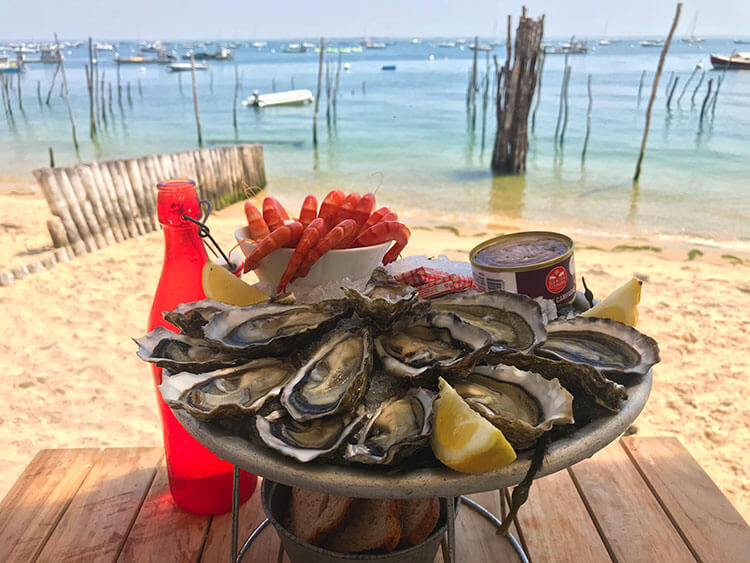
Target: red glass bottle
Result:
[[200, 482]]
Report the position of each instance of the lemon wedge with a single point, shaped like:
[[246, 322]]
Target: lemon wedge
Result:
[[620, 305], [220, 284], [465, 441]]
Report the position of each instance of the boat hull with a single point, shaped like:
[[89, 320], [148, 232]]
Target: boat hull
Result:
[[731, 63]]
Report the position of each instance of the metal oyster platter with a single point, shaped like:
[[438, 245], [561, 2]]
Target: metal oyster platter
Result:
[[380, 482]]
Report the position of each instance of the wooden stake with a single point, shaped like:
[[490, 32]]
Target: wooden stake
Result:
[[328, 93], [684, 88], [195, 100], [568, 71], [67, 97], [179, 82], [51, 158], [317, 95], [236, 95], [109, 94], [130, 100], [140, 90], [335, 88], [705, 100], [719, 82], [538, 91], [654, 89], [211, 81], [52, 86], [39, 92], [474, 86], [588, 122], [89, 86], [692, 98], [119, 87], [562, 95], [640, 86], [102, 104], [19, 62], [671, 92], [97, 85], [669, 84]]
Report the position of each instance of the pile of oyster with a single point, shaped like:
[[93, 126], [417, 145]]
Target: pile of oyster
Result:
[[354, 380]]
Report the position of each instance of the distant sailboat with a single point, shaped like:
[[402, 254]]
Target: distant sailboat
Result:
[[692, 38], [606, 40]]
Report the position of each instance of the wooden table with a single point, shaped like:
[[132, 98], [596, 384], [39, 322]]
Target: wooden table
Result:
[[640, 499]]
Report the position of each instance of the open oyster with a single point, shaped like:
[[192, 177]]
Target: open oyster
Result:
[[615, 349], [334, 379], [178, 352], [268, 328], [438, 343], [305, 441], [191, 317], [515, 322], [383, 300], [398, 428], [227, 392], [523, 404]]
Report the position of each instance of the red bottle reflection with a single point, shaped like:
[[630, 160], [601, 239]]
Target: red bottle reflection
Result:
[[199, 481]]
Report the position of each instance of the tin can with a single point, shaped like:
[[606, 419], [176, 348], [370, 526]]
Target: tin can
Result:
[[534, 263]]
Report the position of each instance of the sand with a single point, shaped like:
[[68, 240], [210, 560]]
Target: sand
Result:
[[72, 378]]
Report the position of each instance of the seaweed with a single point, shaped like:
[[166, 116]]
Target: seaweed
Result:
[[631, 248], [450, 228], [734, 260], [693, 254]]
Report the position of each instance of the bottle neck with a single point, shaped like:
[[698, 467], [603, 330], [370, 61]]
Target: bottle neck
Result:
[[182, 244]]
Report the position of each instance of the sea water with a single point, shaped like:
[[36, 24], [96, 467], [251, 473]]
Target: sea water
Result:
[[411, 125]]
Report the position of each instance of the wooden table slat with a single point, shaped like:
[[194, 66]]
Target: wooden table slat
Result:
[[632, 522], [555, 524], [38, 499], [99, 518], [264, 548], [708, 522], [162, 531]]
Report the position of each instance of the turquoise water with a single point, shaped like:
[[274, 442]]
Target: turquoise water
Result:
[[411, 125]]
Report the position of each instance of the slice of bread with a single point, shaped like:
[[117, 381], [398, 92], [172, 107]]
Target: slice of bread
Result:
[[418, 519], [370, 524], [312, 516]]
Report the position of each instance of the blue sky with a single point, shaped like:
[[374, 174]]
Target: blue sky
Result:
[[228, 19]]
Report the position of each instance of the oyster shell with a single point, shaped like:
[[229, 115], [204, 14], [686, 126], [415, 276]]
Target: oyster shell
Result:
[[228, 392], [191, 317], [615, 349], [305, 441], [523, 404], [334, 379], [383, 300], [266, 329], [515, 322], [178, 352], [398, 428], [438, 343]]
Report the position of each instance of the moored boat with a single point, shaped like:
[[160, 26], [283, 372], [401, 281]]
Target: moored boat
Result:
[[652, 43], [294, 48], [9, 66], [187, 67], [737, 61], [288, 98]]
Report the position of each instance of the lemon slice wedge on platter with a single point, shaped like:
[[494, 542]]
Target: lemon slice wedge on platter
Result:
[[620, 305], [222, 285]]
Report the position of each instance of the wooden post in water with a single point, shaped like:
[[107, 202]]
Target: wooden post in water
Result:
[[109, 94], [671, 92], [473, 86], [336, 86], [236, 95], [690, 78], [52, 85], [705, 100], [140, 90], [97, 86], [317, 95], [328, 93], [568, 72], [179, 82], [39, 92], [51, 158], [561, 107], [640, 86], [195, 100], [67, 97], [90, 87], [654, 90], [130, 100], [538, 91], [719, 82], [669, 84], [19, 62], [588, 122], [516, 87], [692, 98], [119, 87], [211, 81]]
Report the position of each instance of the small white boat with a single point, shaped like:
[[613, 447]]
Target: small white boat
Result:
[[447, 44], [288, 98], [187, 67], [259, 44], [9, 66], [652, 43], [104, 46]]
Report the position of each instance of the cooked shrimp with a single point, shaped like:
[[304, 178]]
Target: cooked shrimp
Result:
[[383, 232], [290, 232], [364, 209], [376, 217], [330, 206], [309, 210], [311, 235], [350, 233], [272, 214], [255, 222], [331, 240], [346, 211]]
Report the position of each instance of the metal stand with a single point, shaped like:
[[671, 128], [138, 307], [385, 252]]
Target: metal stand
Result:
[[449, 543]]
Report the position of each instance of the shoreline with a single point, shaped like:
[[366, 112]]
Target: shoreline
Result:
[[69, 356]]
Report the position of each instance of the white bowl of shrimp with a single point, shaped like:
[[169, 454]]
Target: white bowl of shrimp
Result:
[[337, 264]]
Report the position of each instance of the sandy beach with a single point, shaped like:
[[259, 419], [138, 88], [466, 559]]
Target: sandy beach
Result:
[[73, 379]]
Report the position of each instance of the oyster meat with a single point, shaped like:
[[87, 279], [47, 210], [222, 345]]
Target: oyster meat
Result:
[[191, 317], [383, 300], [522, 404], [334, 379], [266, 329], [515, 322], [305, 441], [438, 343], [398, 428], [178, 352], [615, 349], [228, 392]]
